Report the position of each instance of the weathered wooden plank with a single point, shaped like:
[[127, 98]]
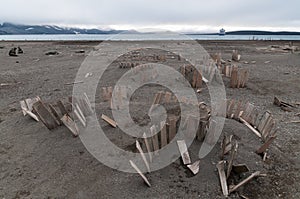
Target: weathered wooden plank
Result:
[[32, 115], [250, 127], [172, 128], [199, 80], [30, 102], [234, 78], [223, 179], [154, 137], [168, 96], [138, 146], [266, 145], [230, 108], [148, 146], [232, 156], [140, 173], [109, 121], [226, 145], [194, 167], [256, 174], [238, 109], [264, 120], [192, 126], [248, 111], [77, 114], [61, 107], [45, 115], [184, 152], [70, 124], [163, 134], [24, 107], [56, 114], [211, 137], [268, 127]]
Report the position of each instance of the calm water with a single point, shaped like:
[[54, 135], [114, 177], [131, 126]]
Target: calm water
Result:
[[138, 37]]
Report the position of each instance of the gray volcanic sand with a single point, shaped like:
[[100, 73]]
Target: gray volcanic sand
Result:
[[38, 163]]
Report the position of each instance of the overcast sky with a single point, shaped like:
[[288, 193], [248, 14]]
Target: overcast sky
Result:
[[178, 15]]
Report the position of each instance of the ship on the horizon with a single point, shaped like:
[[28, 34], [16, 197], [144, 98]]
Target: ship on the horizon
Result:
[[222, 32]]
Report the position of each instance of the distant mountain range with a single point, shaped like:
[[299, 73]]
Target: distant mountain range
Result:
[[16, 29], [251, 32]]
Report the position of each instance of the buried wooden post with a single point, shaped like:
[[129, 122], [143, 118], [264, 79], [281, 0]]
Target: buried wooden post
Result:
[[172, 128], [138, 146], [45, 115], [184, 152], [163, 134], [154, 137], [234, 77], [223, 179], [232, 156], [266, 145], [148, 146], [70, 124]]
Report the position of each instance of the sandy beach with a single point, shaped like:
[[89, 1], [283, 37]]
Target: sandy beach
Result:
[[38, 163]]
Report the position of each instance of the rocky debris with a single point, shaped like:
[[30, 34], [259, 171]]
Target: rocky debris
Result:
[[13, 52], [51, 53], [20, 50], [80, 51]]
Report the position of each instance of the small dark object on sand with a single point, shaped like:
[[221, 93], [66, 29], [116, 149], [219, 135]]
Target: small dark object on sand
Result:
[[13, 52], [80, 51], [52, 53], [20, 51]]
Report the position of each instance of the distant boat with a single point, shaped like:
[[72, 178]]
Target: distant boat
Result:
[[222, 32]]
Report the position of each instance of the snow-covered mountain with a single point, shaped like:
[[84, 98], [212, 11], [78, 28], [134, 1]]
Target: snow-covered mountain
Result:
[[16, 29]]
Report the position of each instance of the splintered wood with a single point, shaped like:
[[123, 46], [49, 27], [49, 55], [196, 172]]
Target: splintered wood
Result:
[[194, 167], [27, 107], [256, 174], [223, 179], [138, 146], [184, 152], [70, 124], [109, 121], [140, 173]]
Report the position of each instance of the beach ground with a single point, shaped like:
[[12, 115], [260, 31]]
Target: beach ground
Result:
[[38, 163]]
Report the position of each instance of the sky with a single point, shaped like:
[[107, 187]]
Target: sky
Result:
[[174, 15]]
